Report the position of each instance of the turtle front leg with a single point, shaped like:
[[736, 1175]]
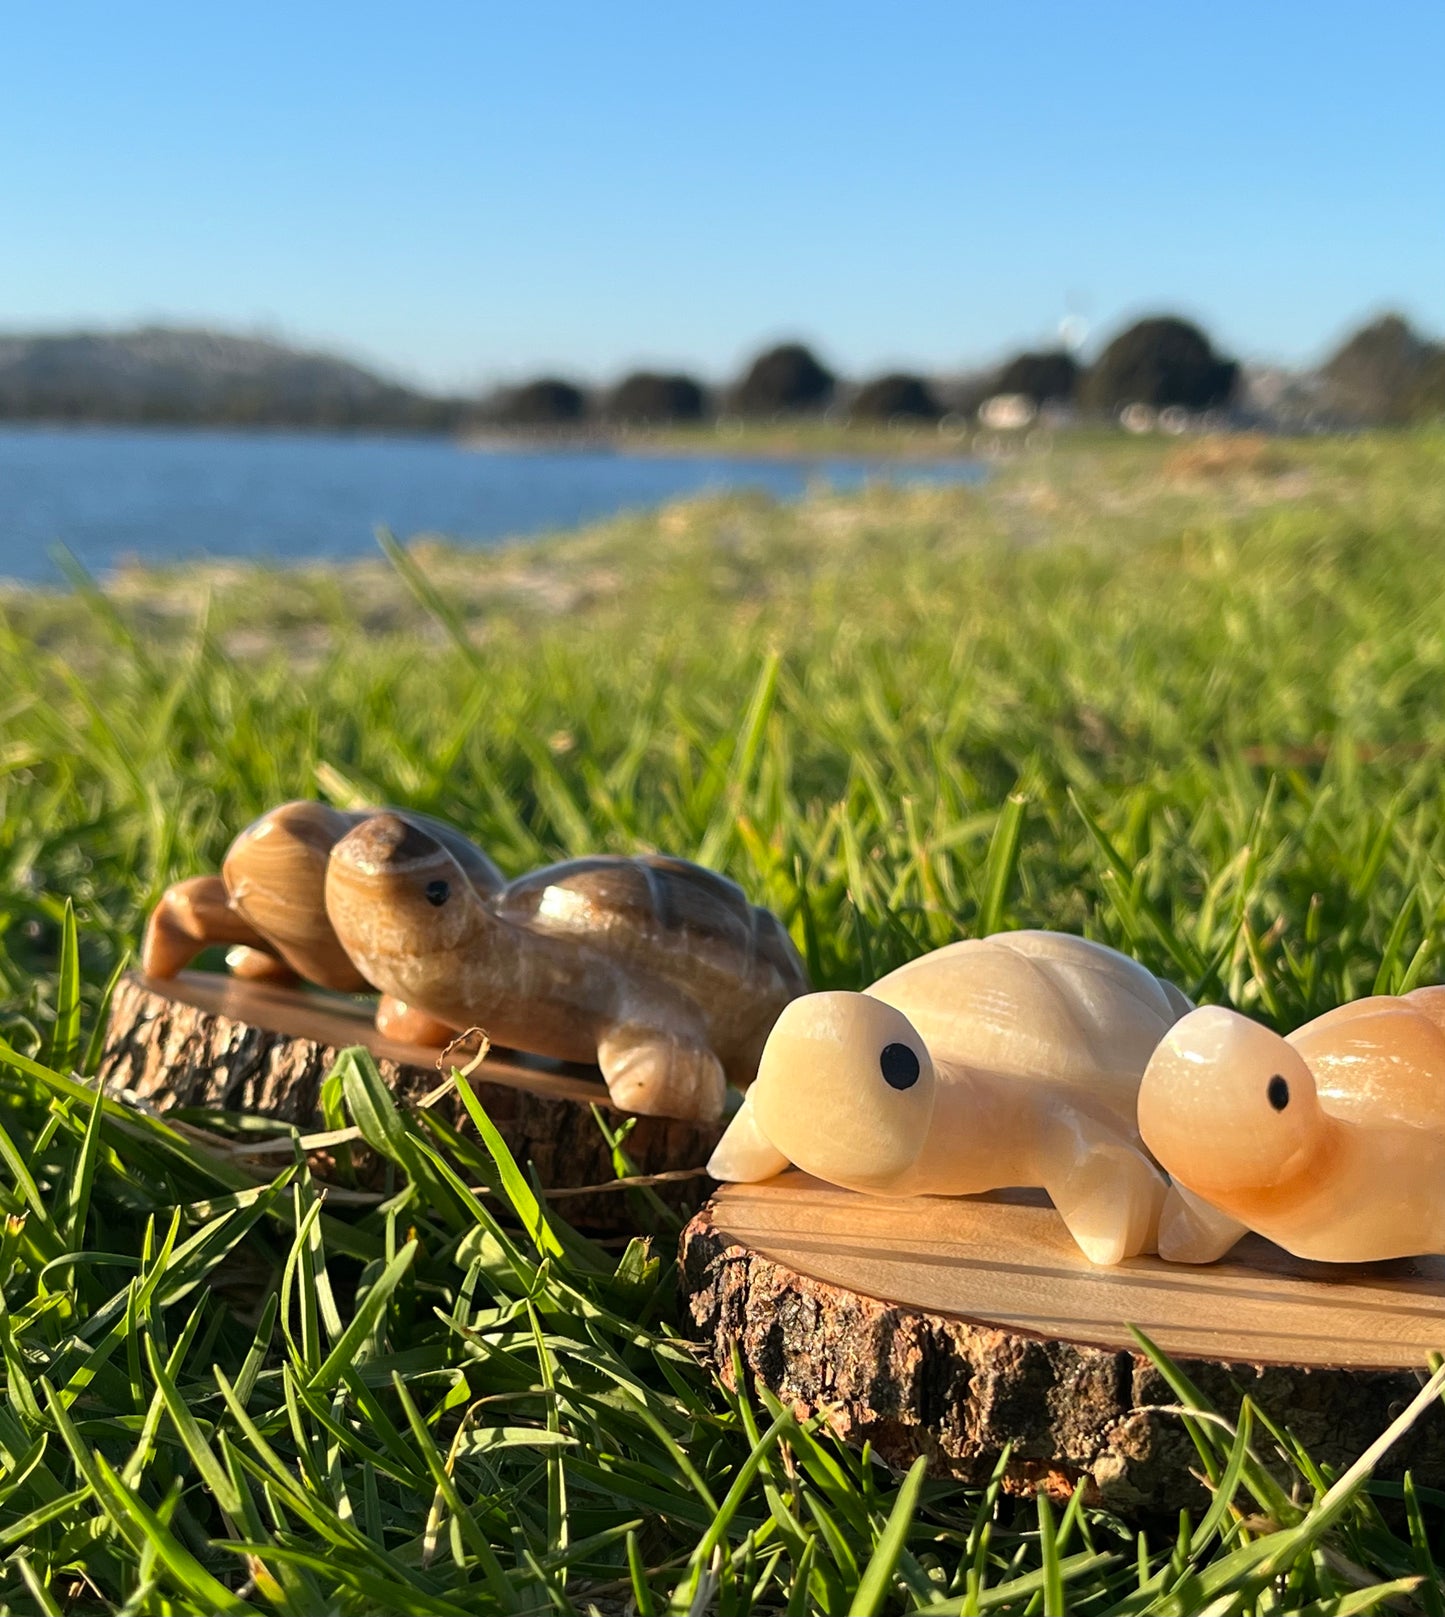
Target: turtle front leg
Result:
[[1191, 1231], [661, 1072], [192, 914], [1110, 1198], [255, 965], [395, 1019]]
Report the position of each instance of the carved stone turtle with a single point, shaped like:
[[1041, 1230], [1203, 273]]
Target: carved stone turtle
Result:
[[1003, 1061], [269, 902], [1330, 1142], [660, 971]]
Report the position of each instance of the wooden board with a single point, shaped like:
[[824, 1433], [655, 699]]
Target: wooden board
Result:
[[215, 1042], [954, 1326]]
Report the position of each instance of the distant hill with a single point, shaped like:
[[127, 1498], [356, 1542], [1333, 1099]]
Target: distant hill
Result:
[[162, 373]]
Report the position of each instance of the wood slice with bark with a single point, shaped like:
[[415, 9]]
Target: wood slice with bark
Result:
[[954, 1327], [207, 1041]]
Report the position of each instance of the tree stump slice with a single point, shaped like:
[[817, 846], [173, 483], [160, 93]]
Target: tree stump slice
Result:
[[952, 1327], [221, 1043]]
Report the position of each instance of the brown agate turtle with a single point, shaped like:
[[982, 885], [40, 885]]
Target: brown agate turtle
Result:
[[660, 971], [269, 902]]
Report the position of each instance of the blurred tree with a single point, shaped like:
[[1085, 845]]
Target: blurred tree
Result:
[[1160, 361], [781, 379], [546, 402], [896, 394], [1427, 396], [1044, 378], [646, 396], [1374, 374]]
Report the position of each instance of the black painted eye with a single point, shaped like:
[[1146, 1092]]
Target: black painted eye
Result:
[[1278, 1093], [436, 893], [899, 1066]]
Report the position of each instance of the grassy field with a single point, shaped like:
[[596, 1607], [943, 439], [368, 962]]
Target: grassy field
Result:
[[1189, 699]]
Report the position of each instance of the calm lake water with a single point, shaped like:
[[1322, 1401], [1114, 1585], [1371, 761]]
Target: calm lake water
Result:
[[164, 495]]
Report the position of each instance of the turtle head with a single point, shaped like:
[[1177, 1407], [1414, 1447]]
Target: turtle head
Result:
[[396, 895], [844, 1091], [1227, 1106], [275, 875]]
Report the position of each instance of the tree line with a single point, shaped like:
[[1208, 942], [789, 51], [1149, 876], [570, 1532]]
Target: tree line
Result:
[[1160, 361], [1385, 372]]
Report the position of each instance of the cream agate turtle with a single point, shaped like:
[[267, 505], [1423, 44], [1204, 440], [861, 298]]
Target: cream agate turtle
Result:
[[1012, 1060], [1330, 1141], [660, 971]]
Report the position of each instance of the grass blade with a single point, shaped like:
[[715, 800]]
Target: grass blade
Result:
[[877, 1580], [65, 1035]]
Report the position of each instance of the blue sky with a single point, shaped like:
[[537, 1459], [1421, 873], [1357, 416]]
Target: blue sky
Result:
[[465, 192]]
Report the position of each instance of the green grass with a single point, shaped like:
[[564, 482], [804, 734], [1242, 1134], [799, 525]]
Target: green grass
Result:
[[1196, 711]]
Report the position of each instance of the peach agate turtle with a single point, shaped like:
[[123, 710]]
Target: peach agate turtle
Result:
[[1002, 1061], [1330, 1142]]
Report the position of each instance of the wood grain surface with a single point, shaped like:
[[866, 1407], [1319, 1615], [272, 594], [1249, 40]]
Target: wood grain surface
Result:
[[1008, 1260]]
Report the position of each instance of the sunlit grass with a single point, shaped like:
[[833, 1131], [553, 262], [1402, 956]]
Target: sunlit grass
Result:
[[1192, 709]]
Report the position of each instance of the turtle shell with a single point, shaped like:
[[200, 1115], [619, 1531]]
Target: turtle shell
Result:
[[1380, 1059], [1045, 1007], [673, 919]]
